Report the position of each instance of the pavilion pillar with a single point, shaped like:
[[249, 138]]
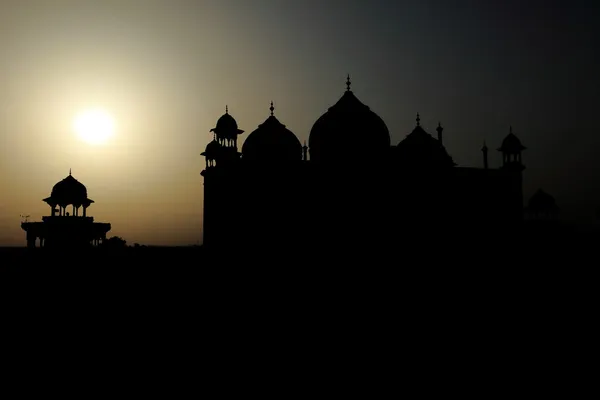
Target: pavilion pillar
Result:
[[31, 239]]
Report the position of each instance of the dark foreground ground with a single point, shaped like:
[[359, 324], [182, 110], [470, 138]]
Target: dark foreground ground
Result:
[[450, 316]]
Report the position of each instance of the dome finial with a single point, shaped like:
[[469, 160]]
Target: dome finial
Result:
[[418, 120], [226, 109], [510, 130], [69, 171], [272, 108], [348, 83]]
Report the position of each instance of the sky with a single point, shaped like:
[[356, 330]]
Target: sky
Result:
[[166, 69]]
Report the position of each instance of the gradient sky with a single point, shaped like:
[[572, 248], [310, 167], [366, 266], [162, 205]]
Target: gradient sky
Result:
[[166, 69]]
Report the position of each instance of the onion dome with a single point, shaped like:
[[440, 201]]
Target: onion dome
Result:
[[420, 149], [272, 141], [511, 144], [69, 191], [347, 125], [227, 127]]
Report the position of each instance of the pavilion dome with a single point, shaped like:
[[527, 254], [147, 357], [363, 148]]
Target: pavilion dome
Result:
[[227, 126], [511, 144], [69, 191], [347, 126], [272, 141], [212, 150], [420, 149]]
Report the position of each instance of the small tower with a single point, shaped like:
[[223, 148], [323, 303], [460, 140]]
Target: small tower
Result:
[[512, 164], [511, 152], [484, 150], [439, 130]]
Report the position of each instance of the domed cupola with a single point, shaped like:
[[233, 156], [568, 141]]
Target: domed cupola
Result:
[[346, 126], [511, 144], [272, 141], [212, 152], [542, 205], [69, 191], [227, 131], [421, 150], [511, 150]]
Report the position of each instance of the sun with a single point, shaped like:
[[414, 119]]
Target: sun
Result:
[[94, 126]]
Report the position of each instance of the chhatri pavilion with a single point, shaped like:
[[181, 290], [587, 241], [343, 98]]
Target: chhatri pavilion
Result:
[[64, 229]]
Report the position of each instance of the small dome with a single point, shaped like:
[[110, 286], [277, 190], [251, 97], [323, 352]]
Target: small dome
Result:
[[542, 201], [212, 150], [347, 126], [511, 144], [420, 149], [272, 141], [227, 126], [69, 191]]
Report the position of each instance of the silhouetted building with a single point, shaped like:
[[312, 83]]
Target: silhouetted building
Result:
[[350, 186], [64, 229]]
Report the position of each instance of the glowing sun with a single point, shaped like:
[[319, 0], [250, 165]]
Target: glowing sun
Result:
[[94, 126]]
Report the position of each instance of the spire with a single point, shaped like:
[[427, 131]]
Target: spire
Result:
[[439, 130], [418, 120], [272, 108], [348, 83], [226, 109], [484, 148]]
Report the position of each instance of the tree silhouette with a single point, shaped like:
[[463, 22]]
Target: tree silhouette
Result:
[[115, 242]]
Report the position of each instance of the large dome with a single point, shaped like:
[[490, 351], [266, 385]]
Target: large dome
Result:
[[69, 191], [421, 150], [347, 126], [272, 141]]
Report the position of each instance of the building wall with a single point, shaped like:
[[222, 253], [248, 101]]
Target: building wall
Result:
[[303, 205]]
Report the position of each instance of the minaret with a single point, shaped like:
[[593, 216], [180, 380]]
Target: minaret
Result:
[[439, 130], [484, 150]]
